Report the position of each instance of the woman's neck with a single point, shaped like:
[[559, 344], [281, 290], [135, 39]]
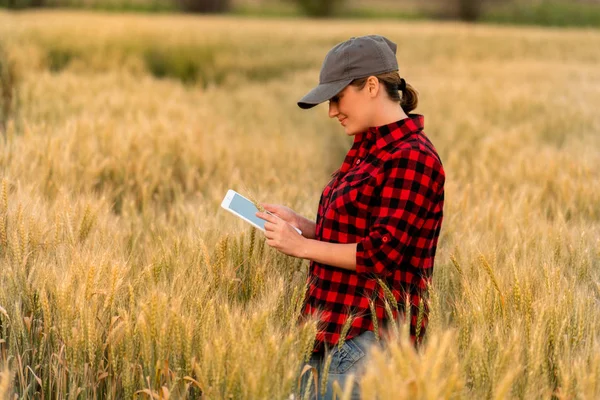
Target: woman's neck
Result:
[[389, 112]]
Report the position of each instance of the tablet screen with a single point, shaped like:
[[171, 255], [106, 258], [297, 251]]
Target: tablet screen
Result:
[[246, 208]]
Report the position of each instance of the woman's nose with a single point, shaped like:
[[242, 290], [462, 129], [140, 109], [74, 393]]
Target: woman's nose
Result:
[[333, 110]]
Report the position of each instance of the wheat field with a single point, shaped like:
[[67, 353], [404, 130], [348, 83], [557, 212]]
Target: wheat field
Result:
[[121, 276]]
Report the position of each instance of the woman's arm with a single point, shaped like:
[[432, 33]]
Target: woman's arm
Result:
[[284, 238], [334, 254]]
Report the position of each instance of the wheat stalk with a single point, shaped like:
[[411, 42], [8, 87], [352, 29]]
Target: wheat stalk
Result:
[[389, 296], [253, 199], [5, 382], [374, 319], [325, 372], [456, 265], [420, 316], [344, 331], [488, 269], [222, 246], [4, 214]]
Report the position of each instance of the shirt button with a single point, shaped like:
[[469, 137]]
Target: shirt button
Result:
[[385, 239], [357, 162]]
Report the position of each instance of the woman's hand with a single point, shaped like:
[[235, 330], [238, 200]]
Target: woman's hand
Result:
[[290, 216], [281, 235], [283, 212]]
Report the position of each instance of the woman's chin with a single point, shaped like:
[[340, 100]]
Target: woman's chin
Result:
[[349, 131]]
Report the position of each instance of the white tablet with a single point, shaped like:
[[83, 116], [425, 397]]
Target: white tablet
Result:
[[238, 205]]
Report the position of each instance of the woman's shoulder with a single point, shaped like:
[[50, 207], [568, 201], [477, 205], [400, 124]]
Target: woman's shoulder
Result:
[[415, 149], [417, 156]]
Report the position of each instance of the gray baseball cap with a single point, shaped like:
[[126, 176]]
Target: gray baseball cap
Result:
[[357, 57]]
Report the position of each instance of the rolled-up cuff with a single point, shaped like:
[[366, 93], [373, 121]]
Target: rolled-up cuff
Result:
[[371, 254]]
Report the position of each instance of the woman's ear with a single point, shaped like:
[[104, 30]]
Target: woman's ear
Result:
[[372, 86]]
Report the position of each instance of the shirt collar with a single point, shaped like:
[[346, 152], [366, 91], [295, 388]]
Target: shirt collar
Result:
[[393, 132]]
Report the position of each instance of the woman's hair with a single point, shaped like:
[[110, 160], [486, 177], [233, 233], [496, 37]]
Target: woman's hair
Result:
[[409, 99]]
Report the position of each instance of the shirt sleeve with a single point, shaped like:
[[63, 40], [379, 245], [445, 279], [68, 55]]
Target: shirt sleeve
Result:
[[400, 211]]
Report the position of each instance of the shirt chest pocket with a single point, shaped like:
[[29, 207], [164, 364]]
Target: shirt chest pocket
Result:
[[353, 194]]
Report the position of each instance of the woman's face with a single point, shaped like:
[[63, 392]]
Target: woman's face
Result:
[[351, 107]]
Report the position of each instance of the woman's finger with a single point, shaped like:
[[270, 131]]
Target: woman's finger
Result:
[[266, 217], [270, 207]]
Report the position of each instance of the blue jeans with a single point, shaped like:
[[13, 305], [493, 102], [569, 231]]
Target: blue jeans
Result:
[[351, 358]]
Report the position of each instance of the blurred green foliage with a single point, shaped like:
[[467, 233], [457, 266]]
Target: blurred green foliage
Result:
[[547, 13], [319, 8], [583, 13], [204, 6], [205, 63], [109, 5]]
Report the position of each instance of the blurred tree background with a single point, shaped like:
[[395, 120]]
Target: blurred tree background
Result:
[[541, 12], [209, 6]]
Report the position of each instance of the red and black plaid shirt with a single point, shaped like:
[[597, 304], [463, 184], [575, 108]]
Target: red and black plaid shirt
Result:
[[388, 197]]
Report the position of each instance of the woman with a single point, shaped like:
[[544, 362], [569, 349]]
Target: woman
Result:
[[378, 219]]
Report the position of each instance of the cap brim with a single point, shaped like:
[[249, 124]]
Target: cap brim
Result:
[[321, 93]]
